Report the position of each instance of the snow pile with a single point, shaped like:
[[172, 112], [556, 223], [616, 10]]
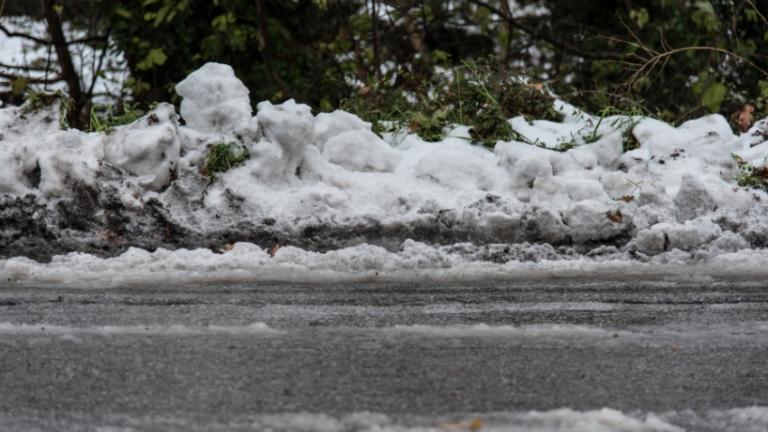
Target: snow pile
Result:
[[326, 181]]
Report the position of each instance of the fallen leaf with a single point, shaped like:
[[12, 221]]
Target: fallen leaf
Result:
[[476, 424], [615, 216], [227, 247], [273, 250], [473, 425], [364, 91], [627, 198], [744, 118], [538, 86]]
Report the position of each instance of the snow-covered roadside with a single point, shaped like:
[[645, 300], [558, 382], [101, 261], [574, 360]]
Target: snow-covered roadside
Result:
[[746, 419], [395, 206], [247, 262]]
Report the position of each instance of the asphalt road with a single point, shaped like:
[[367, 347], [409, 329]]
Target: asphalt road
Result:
[[199, 358]]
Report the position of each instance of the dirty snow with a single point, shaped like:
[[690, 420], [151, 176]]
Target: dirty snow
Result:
[[746, 419], [415, 261], [674, 198]]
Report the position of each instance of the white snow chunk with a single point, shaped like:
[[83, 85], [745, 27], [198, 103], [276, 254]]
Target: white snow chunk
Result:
[[694, 198], [289, 125], [756, 155], [524, 162], [329, 125], [215, 100], [590, 221], [361, 150], [667, 236], [458, 168], [711, 125], [38, 157], [147, 147], [756, 135], [605, 152], [561, 191]]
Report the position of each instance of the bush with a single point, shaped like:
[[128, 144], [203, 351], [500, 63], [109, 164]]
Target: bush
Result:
[[482, 96]]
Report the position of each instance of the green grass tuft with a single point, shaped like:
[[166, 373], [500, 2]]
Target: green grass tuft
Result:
[[37, 100], [102, 118], [223, 157]]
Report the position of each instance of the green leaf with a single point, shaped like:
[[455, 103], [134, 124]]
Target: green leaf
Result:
[[640, 17], [155, 57], [705, 16], [19, 86], [714, 96], [123, 12]]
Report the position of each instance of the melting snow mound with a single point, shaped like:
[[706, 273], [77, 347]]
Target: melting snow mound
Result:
[[327, 182]]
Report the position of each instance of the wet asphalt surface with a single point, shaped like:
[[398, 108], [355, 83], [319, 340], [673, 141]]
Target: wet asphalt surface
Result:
[[396, 349]]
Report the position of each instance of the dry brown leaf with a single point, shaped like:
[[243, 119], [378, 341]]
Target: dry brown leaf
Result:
[[627, 198], [744, 118], [227, 247], [273, 250], [615, 216], [364, 91], [476, 424], [473, 425]]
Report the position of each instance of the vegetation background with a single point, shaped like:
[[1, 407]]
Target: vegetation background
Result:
[[422, 63]]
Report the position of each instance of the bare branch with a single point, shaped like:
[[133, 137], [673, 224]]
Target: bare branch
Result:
[[31, 80], [98, 68], [652, 62], [25, 68], [23, 35], [543, 36]]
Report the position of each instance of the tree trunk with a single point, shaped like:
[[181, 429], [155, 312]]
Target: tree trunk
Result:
[[68, 72]]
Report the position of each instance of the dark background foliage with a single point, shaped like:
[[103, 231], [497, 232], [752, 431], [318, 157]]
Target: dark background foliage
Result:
[[672, 58]]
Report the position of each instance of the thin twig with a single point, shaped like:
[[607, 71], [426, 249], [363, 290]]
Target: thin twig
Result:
[[653, 61], [757, 11]]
